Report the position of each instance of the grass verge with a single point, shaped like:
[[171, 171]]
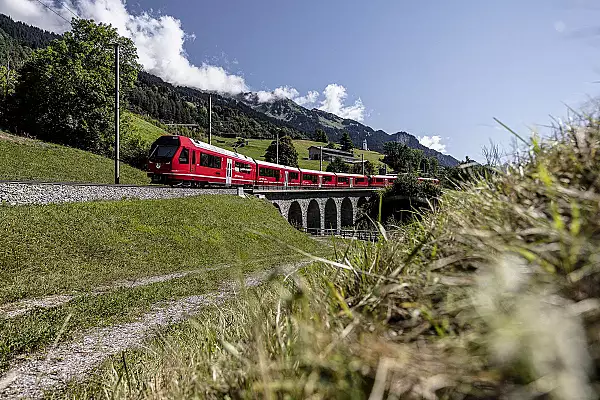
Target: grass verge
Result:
[[28, 159], [495, 294]]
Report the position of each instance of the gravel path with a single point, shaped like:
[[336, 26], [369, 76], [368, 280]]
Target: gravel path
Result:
[[14, 193], [55, 368]]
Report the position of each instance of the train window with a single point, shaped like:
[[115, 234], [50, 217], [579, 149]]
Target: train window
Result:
[[210, 161], [308, 177], [184, 156], [379, 180], [243, 168], [268, 172], [342, 180], [359, 180], [293, 176], [327, 179]]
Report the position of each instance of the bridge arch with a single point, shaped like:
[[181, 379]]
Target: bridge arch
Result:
[[331, 214], [313, 215], [295, 215], [347, 213]]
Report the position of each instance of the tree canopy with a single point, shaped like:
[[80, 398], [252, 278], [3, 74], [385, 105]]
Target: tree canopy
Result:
[[346, 143], [65, 91], [337, 165], [321, 136], [287, 152], [402, 158]]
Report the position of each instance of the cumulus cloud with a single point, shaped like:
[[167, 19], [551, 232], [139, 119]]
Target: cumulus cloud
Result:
[[335, 97], [433, 142], [159, 39]]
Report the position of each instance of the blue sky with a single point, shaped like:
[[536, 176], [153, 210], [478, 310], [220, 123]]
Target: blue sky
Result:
[[437, 68]]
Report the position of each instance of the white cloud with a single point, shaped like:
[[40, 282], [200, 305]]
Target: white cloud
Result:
[[160, 43], [433, 142], [335, 96], [159, 40]]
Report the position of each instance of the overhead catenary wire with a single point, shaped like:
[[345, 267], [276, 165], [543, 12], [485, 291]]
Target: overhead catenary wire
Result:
[[54, 11]]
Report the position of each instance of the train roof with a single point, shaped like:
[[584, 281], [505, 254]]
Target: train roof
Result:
[[350, 175], [311, 171], [216, 149], [269, 164]]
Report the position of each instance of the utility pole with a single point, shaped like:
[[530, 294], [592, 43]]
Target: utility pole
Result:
[[209, 119], [320, 158], [362, 161], [277, 147], [117, 115]]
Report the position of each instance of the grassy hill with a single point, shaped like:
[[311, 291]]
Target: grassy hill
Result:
[[28, 159], [256, 149], [74, 249]]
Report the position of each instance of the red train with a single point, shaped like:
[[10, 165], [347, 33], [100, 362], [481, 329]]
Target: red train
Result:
[[179, 160]]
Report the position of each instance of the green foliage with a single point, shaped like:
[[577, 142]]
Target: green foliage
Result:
[[402, 158], [65, 92], [321, 136], [338, 165], [368, 170], [287, 152], [345, 142], [27, 159], [331, 145]]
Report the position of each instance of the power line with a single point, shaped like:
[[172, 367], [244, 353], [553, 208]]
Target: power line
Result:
[[69, 10], [50, 8]]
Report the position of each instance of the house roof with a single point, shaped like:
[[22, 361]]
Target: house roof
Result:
[[333, 151]]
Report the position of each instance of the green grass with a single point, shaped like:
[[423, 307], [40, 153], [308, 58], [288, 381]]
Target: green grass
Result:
[[494, 293], [135, 125], [27, 159], [257, 147], [76, 248]]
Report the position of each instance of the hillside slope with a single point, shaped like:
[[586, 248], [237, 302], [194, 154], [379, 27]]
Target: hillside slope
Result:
[[28, 159]]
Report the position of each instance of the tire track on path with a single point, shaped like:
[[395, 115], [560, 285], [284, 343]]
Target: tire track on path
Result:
[[54, 368]]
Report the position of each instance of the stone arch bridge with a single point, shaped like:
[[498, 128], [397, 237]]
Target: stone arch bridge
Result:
[[319, 209]]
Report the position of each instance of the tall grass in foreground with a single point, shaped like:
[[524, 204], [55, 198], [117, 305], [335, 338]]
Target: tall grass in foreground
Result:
[[495, 294]]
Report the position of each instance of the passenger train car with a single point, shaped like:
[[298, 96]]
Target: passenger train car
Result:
[[179, 160]]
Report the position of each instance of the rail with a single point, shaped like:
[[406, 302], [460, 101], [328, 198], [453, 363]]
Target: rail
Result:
[[369, 236]]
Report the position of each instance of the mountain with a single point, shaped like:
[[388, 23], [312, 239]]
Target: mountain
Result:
[[307, 121], [241, 115]]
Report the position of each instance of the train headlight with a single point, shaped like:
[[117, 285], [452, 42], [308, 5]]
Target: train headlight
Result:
[[157, 165]]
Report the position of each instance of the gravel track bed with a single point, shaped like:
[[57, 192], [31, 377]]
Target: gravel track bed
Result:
[[26, 193], [54, 368]]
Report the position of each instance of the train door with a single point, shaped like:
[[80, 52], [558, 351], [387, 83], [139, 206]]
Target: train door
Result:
[[229, 172], [287, 177], [193, 163], [351, 180], [320, 180]]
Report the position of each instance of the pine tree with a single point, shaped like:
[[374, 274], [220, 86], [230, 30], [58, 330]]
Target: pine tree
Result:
[[346, 143], [337, 165], [321, 136]]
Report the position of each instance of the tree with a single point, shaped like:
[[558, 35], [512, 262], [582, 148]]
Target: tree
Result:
[[337, 165], [287, 152], [369, 168], [434, 165], [65, 93], [321, 136], [398, 156], [416, 159], [330, 145], [346, 143]]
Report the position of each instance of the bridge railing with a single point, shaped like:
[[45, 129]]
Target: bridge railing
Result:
[[308, 188], [370, 236]]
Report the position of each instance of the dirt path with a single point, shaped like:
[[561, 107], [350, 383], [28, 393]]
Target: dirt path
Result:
[[54, 368], [18, 308]]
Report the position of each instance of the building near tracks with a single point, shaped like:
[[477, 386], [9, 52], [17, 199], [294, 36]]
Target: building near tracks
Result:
[[314, 153]]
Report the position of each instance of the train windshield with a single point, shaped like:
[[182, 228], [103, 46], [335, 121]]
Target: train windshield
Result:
[[164, 149]]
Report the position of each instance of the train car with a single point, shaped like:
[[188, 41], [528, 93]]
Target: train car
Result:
[[381, 180], [344, 180], [328, 179], [311, 178], [269, 174], [360, 181], [179, 160]]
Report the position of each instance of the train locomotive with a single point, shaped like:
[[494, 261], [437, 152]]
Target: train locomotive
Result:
[[183, 161]]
